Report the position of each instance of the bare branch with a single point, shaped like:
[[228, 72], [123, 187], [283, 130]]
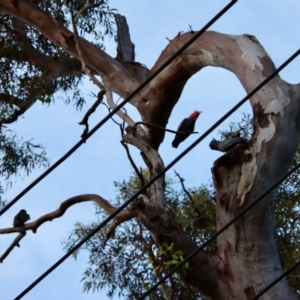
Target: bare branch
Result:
[[33, 226], [191, 293], [15, 243], [188, 194], [121, 125], [153, 161], [125, 117], [165, 129], [138, 173], [45, 4], [85, 119]]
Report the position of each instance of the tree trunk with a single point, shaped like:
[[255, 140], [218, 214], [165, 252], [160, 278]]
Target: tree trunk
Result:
[[247, 251]]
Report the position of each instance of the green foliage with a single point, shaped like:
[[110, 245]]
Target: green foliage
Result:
[[287, 217], [129, 262], [25, 80], [22, 78], [18, 157], [128, 188], [244, 128], [122, 264], [195, 212], [167, 257]]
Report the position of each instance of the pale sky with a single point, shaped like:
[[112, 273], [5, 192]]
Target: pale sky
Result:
[[102, 160]]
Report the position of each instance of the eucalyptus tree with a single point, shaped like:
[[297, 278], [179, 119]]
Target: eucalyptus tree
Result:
[[52, 52]]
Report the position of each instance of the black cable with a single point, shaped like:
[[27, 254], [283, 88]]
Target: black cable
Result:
[[296, 265], [218, 233], [125, 204], [126, 100]]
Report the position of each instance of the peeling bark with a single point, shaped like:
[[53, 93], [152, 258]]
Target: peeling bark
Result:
[[244, 174]]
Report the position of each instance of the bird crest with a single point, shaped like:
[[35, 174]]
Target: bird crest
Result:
[[195, 114]]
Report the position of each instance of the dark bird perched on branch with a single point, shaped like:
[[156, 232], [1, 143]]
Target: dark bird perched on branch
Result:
[[186, 127], [227, 144], [21, 218]]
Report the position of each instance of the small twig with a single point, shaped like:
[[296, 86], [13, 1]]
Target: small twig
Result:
[[191, 29], [116, 122], [165, 129], [121, 125], [188, 194], [138, 173]]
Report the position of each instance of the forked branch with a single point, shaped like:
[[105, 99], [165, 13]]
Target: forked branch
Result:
[[33, 226]]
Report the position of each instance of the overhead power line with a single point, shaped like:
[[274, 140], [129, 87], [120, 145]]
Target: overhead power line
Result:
[[117, 108], [126, 203], [296, 265]]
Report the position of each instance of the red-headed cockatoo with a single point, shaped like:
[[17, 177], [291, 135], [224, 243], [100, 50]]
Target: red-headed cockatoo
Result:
[[186, 127]]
